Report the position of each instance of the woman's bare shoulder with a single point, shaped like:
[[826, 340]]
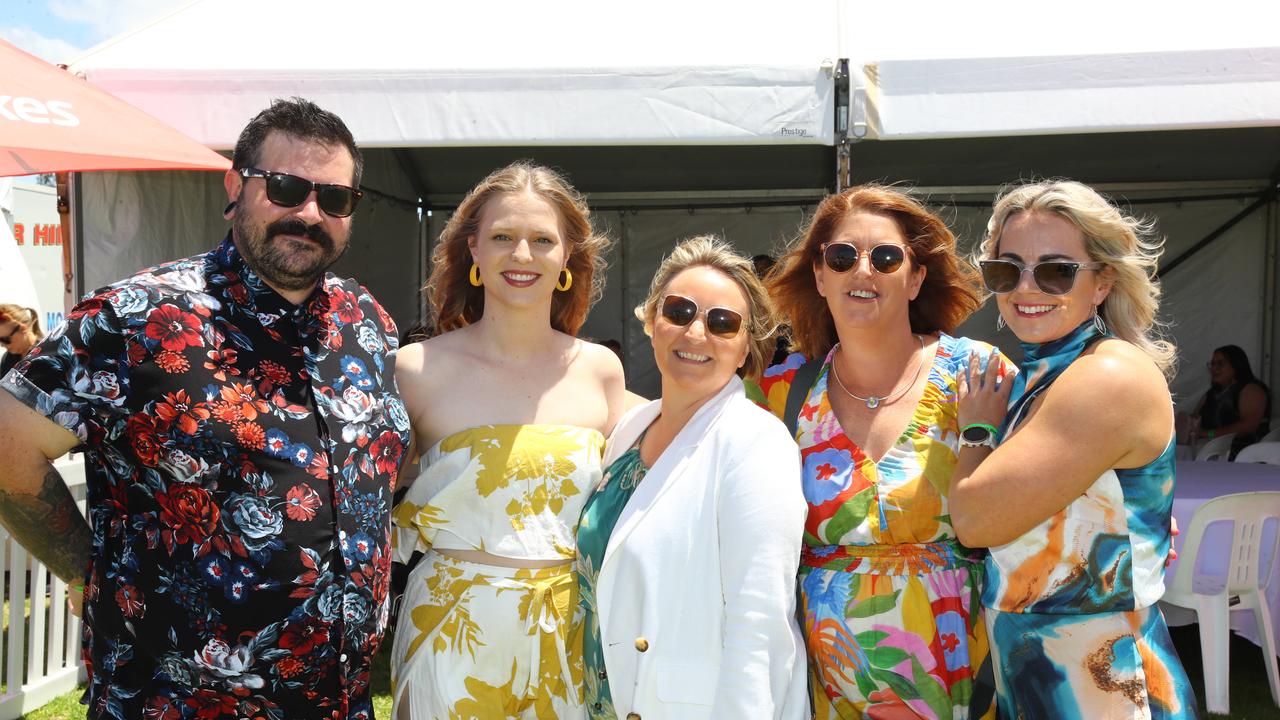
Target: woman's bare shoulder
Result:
[[434, 360], [594, 358]]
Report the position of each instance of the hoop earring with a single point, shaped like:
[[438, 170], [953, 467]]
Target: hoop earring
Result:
[[999, 321], [475, 276], [566, 280], [1098, 323]]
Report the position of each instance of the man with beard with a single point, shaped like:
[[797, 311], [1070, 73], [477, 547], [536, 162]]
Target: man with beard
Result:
[[242, 432]]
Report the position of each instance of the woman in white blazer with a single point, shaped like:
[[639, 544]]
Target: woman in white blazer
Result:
[[689, 548]]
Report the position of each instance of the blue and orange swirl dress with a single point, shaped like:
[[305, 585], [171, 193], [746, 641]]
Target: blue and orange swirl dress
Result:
[[1070, 605], [889, 596]]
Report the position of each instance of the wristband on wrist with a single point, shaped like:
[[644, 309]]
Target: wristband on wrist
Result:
[[76, 587], [978, 435]]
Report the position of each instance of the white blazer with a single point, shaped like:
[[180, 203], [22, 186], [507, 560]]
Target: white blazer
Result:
[[697, 589]]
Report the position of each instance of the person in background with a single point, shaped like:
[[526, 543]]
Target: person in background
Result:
[[19, 330], [242, 433], [872, 290], [1236, 401], [764, 265], [688, 548], [1075, 501], [509, 410]]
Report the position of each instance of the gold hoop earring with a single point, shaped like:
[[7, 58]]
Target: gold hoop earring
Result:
[[566, 280], [475, 275]]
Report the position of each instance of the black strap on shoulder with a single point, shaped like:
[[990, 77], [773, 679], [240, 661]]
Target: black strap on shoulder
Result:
[[984, 689], [801, 383]]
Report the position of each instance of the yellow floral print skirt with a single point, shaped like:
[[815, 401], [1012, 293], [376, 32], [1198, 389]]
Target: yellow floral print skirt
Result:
[[483, 641]]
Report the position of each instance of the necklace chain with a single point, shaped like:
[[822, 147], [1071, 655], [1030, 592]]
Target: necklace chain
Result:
[[875, 401]]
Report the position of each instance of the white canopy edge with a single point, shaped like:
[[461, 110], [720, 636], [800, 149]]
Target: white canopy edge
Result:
[[409, 73], [574, 106], [916, 99]]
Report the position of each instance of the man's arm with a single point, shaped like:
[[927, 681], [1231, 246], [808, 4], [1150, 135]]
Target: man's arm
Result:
[[35, 504]]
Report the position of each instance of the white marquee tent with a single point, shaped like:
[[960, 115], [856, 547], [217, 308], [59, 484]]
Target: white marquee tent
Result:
[[686, 117]]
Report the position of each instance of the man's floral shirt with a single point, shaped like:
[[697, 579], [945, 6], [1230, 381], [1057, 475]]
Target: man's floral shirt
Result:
[[241, 454]]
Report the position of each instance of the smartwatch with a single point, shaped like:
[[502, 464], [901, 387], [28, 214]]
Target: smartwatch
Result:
[[978, 435]]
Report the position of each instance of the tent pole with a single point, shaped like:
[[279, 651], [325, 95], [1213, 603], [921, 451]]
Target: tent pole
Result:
[[844, 176], [1270, 232], [622, 263], [63, 182]]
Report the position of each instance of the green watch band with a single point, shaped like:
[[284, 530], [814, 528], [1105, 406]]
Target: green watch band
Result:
[[990, 428]]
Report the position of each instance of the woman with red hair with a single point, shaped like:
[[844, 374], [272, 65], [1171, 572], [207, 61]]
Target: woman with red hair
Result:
[[871, 290]]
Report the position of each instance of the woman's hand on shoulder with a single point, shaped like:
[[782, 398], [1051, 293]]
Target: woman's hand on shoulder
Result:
[[983, 391]]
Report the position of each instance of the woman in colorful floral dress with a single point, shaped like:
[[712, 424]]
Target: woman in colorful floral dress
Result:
[[888, 596], [1075, 502], [512, 411]]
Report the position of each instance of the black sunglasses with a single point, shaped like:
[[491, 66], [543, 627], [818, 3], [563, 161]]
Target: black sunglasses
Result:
[[1053, 277], [291, 191], [680, 310], [843, 257], [6, 339]]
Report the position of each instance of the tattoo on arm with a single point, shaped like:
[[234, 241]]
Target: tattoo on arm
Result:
[[49, 525]]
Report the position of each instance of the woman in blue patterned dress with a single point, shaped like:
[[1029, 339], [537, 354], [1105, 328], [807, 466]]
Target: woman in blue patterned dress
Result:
[[1075, 502]]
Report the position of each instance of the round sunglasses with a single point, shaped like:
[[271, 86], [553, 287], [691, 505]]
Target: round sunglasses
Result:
[[1053, 277], [680, 310], [842, 257], [289, 191]]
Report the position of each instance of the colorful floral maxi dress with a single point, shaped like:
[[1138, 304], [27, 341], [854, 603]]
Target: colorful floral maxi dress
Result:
[[484, 641], [888, 595], [598, 520], [1070, 605]]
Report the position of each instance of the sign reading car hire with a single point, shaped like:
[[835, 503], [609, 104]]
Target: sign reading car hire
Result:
[[25, 109]]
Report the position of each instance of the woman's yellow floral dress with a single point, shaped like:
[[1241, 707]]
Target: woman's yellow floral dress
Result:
[[483, 641]]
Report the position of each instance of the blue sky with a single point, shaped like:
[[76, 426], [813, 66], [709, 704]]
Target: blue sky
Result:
[[59, 30]]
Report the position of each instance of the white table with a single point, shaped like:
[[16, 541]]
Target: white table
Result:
[[1197, 482]]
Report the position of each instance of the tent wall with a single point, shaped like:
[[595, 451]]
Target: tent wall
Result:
[[132, 220]]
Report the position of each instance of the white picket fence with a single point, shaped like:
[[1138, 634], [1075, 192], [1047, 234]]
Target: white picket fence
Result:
[[40, 651]]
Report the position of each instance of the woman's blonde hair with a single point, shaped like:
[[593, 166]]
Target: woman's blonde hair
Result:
[[10, 312], [951, 290], [1126, 245], [712, 252], [455, 302]]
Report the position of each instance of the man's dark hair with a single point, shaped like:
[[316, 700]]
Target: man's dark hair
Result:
[[300, 119]]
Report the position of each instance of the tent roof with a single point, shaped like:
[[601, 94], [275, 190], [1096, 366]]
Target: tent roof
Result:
[[410, 73], [1071, 94], [672, 95]]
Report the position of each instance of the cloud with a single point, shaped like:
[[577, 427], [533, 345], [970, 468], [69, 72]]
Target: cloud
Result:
[[108, 18], [54, 50]]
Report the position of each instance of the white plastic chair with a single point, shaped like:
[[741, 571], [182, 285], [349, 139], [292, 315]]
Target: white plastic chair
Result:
[[1218, 448], [1261, 452], [1245, 583], [1273, 436]]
